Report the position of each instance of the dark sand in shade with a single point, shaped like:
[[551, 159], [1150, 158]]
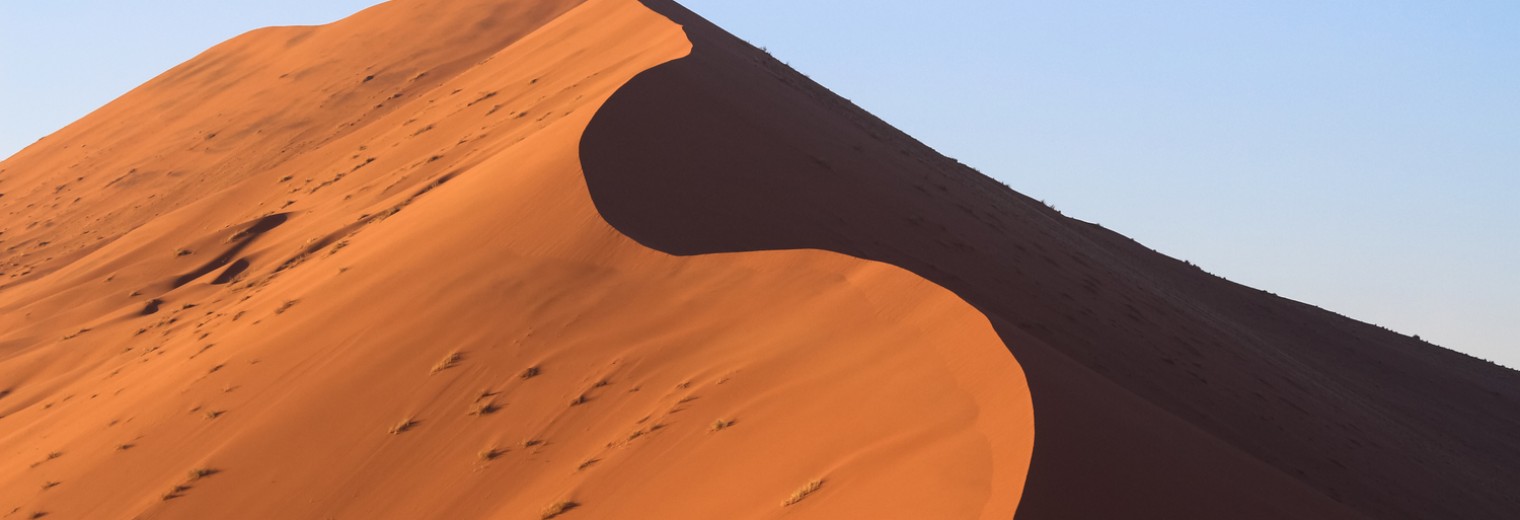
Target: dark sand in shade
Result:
[[1160, 391], [522, 259]]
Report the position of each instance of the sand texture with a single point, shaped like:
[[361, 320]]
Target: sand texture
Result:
[[353, 271], [531, 259]]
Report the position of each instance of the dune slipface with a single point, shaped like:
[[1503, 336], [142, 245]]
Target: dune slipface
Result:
[[1160, 391], [353, 271], [600, 259]]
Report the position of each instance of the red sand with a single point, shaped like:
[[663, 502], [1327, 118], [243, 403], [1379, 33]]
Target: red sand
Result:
[[1160, 391], [355, 271], [318, 263]]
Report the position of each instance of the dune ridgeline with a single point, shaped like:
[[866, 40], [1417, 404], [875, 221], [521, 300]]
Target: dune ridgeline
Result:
[[600, 259]]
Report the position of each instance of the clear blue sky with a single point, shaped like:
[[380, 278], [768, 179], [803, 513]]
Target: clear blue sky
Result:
[[1359, 155]]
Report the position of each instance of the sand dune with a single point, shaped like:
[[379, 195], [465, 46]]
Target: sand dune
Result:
[[308, 276], [599, 259], [1159, 391]]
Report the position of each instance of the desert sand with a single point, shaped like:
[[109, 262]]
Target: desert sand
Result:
[[600, 259], [1160, 390], [309, 275]]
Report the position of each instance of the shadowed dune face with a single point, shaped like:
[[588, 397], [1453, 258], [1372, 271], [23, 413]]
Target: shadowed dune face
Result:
[[727, 151], [1160, 391], [354, 271]]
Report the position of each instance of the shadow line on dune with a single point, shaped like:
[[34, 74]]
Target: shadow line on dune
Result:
[[697, 156]]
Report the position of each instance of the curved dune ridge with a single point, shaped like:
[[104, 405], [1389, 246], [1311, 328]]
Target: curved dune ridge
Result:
[[1160, 391], [354, 271]]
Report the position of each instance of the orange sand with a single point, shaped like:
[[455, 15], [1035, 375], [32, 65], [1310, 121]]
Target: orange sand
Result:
[[417, 264], [317, 262], [1160, 391]]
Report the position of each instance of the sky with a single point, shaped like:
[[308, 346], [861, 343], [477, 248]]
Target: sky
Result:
[[1358, 155]]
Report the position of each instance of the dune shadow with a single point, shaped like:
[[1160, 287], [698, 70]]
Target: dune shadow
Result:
[[240, 241], [729, 150]]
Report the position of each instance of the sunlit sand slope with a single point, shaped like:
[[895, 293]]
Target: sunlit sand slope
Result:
[[353, 271]]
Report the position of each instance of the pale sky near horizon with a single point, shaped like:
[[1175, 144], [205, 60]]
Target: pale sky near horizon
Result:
[[1362, 156]]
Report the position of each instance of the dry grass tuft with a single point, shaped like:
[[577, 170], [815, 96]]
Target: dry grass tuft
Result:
[[529, 373], [50, 456], [491, 453], [403, 426], [557, 508], [484, 408], [200, 473], [803, 492], [175, 492], [447, 362], [722, 424]]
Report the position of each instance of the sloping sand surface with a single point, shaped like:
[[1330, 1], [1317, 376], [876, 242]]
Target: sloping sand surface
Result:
[[600, 259], [1160, 391], [353, 271]]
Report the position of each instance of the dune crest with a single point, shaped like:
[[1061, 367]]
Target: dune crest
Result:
[[354, 271], [601, 259], [1160, 391]]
